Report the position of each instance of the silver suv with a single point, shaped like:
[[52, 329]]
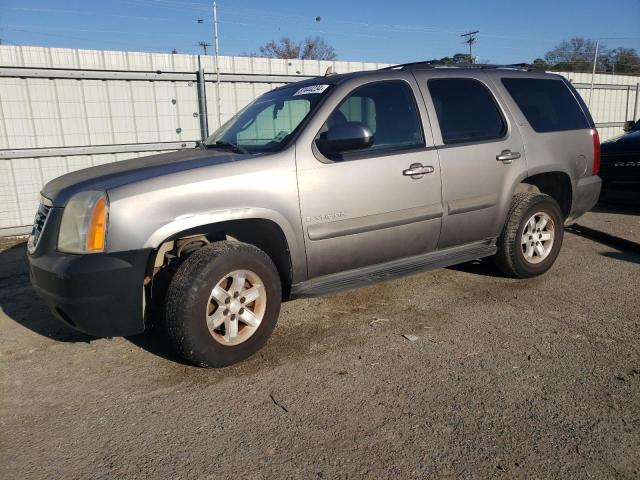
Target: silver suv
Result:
[[316, 187]]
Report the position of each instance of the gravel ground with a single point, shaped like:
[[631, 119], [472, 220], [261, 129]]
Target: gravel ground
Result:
[[509, 379]]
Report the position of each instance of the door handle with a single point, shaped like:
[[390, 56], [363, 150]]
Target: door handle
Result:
[[417, 170], [507, 156]]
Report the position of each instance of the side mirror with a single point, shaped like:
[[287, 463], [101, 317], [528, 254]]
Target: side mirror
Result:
[[628, 125], [344, 137]]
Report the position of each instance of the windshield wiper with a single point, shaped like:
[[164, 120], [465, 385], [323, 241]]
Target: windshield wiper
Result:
[[229, 146]]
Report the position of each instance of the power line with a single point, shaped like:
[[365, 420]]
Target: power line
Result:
[[93, 30], [297, 22], [263, 15], [255, 15], [120, 43]]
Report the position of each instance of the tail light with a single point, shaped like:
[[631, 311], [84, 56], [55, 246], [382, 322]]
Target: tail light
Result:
[[596, 151]]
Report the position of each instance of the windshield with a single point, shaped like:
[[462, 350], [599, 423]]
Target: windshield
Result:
[[266, 124]]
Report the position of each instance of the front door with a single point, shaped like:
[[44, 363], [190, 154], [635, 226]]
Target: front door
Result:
[[378, 204]]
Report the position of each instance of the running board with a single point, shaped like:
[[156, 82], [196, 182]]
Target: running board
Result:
[[365, 276]]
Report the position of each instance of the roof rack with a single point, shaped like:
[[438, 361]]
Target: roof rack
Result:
[[479, 66], [409, 66]]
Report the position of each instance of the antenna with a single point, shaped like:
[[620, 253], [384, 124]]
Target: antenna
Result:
[[471, 39]]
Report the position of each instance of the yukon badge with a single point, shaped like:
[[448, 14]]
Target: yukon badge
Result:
[[326, 217]]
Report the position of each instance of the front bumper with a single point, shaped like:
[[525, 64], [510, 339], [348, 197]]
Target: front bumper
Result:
[[100, 294], [585, 196]]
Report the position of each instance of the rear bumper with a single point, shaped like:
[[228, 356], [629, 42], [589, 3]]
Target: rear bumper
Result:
[[585, 195], [99, 294]]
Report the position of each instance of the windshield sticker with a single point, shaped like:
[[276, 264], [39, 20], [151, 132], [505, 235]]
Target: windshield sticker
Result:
[[311, 89]]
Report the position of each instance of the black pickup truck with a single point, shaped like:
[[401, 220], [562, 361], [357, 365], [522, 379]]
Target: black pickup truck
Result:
[[620, 167]]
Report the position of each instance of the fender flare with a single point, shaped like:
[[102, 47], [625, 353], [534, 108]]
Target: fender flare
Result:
[[190, 221], [552, 168]]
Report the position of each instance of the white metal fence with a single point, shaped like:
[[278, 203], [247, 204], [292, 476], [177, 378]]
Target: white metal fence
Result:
[[66, 109]]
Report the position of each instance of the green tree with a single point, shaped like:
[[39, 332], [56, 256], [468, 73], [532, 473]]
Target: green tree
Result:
[[461, 58], [458, 58], [541, 64]]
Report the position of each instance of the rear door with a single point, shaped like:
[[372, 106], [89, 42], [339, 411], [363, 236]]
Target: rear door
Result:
[[481, 153], [366, 207]]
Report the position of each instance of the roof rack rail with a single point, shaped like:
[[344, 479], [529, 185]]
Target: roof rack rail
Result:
[[524, 66], [407, 66], [480, 66]]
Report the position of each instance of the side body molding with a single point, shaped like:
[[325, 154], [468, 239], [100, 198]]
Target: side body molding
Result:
[[339, 228]]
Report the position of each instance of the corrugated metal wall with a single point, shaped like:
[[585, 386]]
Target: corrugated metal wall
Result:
[[66, 109]]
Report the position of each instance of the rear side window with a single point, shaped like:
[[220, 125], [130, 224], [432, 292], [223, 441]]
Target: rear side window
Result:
[[466, 110], [548, 105]]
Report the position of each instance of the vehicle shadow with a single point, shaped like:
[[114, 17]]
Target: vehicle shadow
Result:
[[482, 266], [623, 256], [19, 302], [154, 340], [627, 250]]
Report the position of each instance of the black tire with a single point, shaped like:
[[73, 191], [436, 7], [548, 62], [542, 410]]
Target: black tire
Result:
[[510, 258], [188, 295]]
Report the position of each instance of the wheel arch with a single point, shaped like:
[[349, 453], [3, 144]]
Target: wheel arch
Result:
[[261, 231], [556, 184]]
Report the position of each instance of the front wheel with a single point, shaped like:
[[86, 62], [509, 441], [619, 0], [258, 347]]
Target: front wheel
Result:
[[222, 304], [532, 236]]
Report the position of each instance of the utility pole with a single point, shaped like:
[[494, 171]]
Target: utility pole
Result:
[[204, 45], [471, 39], [217, 52], [593, 74]]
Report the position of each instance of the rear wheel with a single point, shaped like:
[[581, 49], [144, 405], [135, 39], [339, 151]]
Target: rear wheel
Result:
[[222, 303], [532, 236]]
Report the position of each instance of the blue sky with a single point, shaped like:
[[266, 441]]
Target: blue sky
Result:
[[373, 30]]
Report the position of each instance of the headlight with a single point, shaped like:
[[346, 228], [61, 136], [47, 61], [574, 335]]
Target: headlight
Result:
[[84, 223]]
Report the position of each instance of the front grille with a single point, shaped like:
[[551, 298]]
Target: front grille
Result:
[[38, 226]]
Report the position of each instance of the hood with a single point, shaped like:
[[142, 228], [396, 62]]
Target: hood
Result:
[[624, 144], [112, 175]]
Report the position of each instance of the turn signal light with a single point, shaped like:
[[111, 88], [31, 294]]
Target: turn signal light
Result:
[[97, 226]]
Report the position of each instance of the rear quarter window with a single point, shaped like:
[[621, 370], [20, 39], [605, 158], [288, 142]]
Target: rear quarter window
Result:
[[547, 104]]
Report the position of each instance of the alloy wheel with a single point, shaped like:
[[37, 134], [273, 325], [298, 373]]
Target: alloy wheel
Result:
[[236, 307]]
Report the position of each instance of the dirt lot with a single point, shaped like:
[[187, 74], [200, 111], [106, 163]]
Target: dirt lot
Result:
[[537, 378]]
